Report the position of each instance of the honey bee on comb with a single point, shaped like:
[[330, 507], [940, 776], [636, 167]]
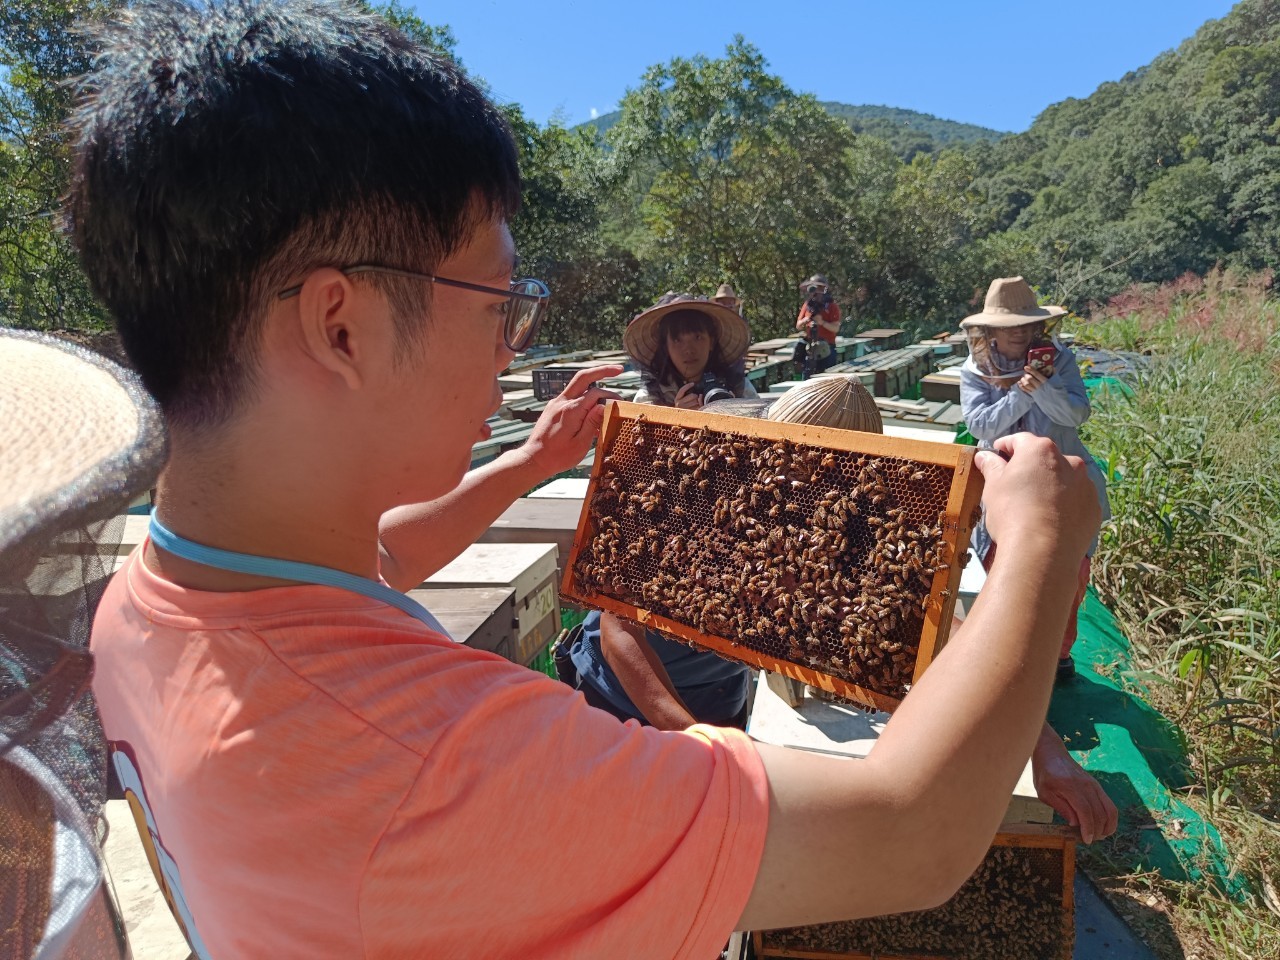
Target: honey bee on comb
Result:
[[772, 544], [1016, 906]]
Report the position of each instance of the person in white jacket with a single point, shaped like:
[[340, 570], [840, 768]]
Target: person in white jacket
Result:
[[1018, 378]]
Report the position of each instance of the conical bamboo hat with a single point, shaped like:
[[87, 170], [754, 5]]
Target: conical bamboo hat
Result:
[[834, 401]]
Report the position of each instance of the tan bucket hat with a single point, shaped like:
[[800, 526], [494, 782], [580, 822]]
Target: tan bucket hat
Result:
[[817, 280], [725, 292], [1010, 303], [640, 339]]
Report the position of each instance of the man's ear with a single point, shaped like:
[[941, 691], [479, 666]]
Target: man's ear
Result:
[[332, 325]]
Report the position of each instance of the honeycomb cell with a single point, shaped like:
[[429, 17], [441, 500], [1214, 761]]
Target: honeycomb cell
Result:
[[819, 557], [1016, 906]]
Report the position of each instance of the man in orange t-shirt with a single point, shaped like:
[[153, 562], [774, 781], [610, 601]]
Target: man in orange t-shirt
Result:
[[297, 217]]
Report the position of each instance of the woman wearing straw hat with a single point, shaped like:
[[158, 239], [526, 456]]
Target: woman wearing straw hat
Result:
[[1018, 378], [726, 296], [687, 349]]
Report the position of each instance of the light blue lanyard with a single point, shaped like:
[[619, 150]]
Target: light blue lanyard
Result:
[[167, 540]]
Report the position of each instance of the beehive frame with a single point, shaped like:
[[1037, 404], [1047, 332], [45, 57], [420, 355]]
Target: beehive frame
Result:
[[956, 485], [1058, 845]]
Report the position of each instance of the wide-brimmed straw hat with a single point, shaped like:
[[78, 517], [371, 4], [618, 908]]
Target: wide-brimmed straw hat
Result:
[[817, 280], [640, 339], [1010, 303], [80, 436], [725, 291]]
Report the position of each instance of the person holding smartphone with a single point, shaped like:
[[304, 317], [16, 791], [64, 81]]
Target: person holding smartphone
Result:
[[1018, 378]]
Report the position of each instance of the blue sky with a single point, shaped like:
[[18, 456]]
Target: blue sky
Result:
[[988, 62]]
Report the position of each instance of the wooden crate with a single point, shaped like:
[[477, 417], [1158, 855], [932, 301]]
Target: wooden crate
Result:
[[538, 520], [895, 371], [483, 618], [562, 488], [883, 338], [934, 490], [1037, 901], [930, 414], [528, 569], [941, 386], [536, 639]]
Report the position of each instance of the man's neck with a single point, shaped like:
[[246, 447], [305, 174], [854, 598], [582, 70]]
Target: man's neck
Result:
[[261, 496]]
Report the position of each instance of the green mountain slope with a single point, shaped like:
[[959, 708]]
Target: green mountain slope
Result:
[[1174, 167], [908, 131]]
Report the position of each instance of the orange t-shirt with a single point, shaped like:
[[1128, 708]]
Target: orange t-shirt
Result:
[[830, 314], [320, 775]]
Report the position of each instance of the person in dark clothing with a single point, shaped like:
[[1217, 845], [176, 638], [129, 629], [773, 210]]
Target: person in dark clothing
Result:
[[638, 674]]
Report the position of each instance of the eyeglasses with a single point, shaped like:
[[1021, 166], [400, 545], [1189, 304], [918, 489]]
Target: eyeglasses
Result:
[[526, 305]]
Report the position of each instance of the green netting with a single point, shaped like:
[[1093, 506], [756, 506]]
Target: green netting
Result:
[[1137, 755], [570, 617], [1095, 385], [544, 662]]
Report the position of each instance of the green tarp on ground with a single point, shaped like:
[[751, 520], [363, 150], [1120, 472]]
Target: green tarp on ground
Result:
[[1137, 755]]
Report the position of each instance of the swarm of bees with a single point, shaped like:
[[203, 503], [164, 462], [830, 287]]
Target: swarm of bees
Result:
[[820, 557], [1010, 909]]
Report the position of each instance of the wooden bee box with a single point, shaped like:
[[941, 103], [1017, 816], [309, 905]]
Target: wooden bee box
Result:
[[826, 555], [1018, 905]]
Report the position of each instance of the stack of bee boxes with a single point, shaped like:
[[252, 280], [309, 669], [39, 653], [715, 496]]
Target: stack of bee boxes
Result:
[[526, 569]]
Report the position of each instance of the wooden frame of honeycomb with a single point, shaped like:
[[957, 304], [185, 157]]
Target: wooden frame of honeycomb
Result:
[[1018, 905], [826, 555]]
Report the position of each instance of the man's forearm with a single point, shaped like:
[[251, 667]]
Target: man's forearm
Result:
[[926, 802], [964, 734], [642, 674], [419, 539]]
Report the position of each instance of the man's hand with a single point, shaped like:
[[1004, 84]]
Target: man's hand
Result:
[[687, 399], [568, 426], [1032, 380], [1070, 790], [1033, 492]]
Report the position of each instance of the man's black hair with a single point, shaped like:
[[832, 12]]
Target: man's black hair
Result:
[[223, 150]]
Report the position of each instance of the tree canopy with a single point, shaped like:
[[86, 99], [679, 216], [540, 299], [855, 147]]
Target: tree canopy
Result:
[[714, 170]]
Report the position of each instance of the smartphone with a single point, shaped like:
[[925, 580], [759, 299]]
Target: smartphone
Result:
[[1040, 359]]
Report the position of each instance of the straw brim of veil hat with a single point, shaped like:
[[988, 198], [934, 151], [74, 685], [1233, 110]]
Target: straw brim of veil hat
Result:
[[1010, 303], [640, 339], [839, 401], [81, 438]]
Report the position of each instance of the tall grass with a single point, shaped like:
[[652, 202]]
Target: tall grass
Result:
[[1191, 561]]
